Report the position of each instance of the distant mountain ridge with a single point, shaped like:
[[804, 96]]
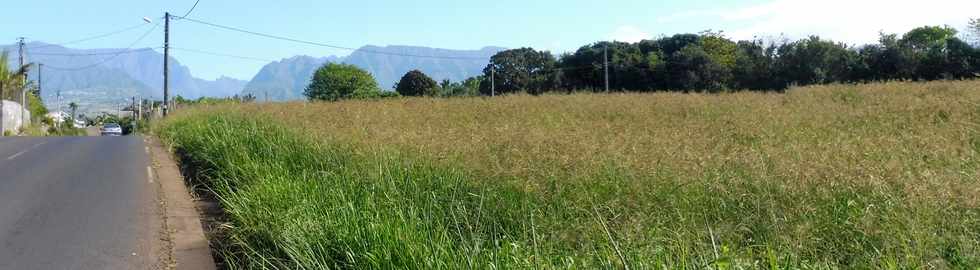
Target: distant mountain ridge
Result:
[[286, 79], [103, 78], [139, 72]]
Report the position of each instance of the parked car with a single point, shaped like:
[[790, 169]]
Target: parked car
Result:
[[111, 129]]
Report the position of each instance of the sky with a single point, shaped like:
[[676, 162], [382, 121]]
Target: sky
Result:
[[554, 25]]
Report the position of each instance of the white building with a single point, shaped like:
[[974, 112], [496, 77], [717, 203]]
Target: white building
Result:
[[12, 118], [58, 117]]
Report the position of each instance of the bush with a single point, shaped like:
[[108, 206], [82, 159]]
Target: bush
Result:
[[334, 82], [415, 83]]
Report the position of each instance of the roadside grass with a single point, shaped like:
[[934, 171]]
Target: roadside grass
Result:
[[879, 176]]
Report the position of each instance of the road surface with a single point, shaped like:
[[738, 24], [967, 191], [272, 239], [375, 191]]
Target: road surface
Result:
[[77, 203]]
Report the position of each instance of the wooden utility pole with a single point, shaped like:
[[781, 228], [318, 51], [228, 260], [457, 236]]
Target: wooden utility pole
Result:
[[39, 68], [1, 110], [23, 90], [493, 75], [166, 63], [605, 61]]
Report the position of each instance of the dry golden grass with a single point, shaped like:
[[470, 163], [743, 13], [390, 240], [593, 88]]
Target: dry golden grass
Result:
[[866, 176], [919, 135]]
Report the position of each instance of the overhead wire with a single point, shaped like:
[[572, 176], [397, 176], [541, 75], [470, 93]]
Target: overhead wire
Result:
[[221, 54], [97, 53], [110, 58], [116, 32], [320, 44], [192, 9]]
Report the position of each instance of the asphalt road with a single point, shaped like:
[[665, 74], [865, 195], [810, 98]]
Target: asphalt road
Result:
[[77, 203]]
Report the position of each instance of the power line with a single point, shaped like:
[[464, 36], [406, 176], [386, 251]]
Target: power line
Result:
[[191, 10], [222, 54], [106, 60], [97, 53], [116, 32], [329, 45]]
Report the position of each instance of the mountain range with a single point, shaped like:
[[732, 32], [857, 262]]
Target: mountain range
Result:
[[103, 79], [286, 79]]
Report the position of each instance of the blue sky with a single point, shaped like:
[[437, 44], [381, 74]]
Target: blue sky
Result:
[[556, 25]]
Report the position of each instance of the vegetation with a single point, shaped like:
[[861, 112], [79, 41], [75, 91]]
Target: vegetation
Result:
[[334, 82], [824, 177], [711, 62], [11, 80], [416, 84]]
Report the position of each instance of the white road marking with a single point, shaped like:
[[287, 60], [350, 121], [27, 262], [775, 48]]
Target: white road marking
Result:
[[25, 151], [16, 155], [149, 174]]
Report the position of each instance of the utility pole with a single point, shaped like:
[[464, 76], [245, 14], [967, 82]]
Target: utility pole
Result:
[[605, 60], [1, 110], [39, 68], [139, 113], [132, 109], [166, 63], [493, 83], [23, 90]]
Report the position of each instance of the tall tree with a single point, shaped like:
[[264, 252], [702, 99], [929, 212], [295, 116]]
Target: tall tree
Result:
[[12, 80], [692, 68], [74, 109], [333, 82], [523, 69], [415, 84], [973, 28], [815, 61], [928, 47]]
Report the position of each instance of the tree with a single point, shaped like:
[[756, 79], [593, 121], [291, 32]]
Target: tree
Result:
[[333, 82], [927, 48], [415, 84], [754, 66], [692, 68], [974, 29], [815, 61], [11, 80], [520, 69], [74, 109]]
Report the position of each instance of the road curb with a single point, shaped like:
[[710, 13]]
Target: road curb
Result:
[[190, 248]]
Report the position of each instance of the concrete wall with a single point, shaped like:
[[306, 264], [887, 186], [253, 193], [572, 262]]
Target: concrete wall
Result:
[[12, 119]]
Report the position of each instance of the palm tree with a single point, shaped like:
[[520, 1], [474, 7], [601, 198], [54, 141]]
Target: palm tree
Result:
[[11, 82], [74, 108]]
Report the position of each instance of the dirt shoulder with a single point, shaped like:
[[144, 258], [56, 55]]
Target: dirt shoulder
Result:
[[190, 248]]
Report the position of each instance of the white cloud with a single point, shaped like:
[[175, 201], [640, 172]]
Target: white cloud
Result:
[[629, 33], [851, 21]]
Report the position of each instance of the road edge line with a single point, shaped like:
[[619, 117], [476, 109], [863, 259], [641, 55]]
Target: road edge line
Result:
[[190, 248]]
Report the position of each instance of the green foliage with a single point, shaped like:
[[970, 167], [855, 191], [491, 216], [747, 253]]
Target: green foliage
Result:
[[814, 61], [12, 81], [709, 61], [467, 88], [74, 109], [415, 84], [36, 106], [334, 82], [310, 192], [692, 68], [973, 29], [521, 69]]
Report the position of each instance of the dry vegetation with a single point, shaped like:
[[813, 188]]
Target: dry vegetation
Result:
[[876, 176]]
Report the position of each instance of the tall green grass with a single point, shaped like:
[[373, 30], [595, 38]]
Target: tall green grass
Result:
[[297, 201]]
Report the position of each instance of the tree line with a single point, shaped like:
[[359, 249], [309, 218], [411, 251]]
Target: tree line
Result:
[[704, 62]]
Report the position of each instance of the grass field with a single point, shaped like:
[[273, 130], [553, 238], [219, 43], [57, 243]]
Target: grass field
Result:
[[880, 176]]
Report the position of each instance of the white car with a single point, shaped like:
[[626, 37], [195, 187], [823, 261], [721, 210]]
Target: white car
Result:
[[111, 129]]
